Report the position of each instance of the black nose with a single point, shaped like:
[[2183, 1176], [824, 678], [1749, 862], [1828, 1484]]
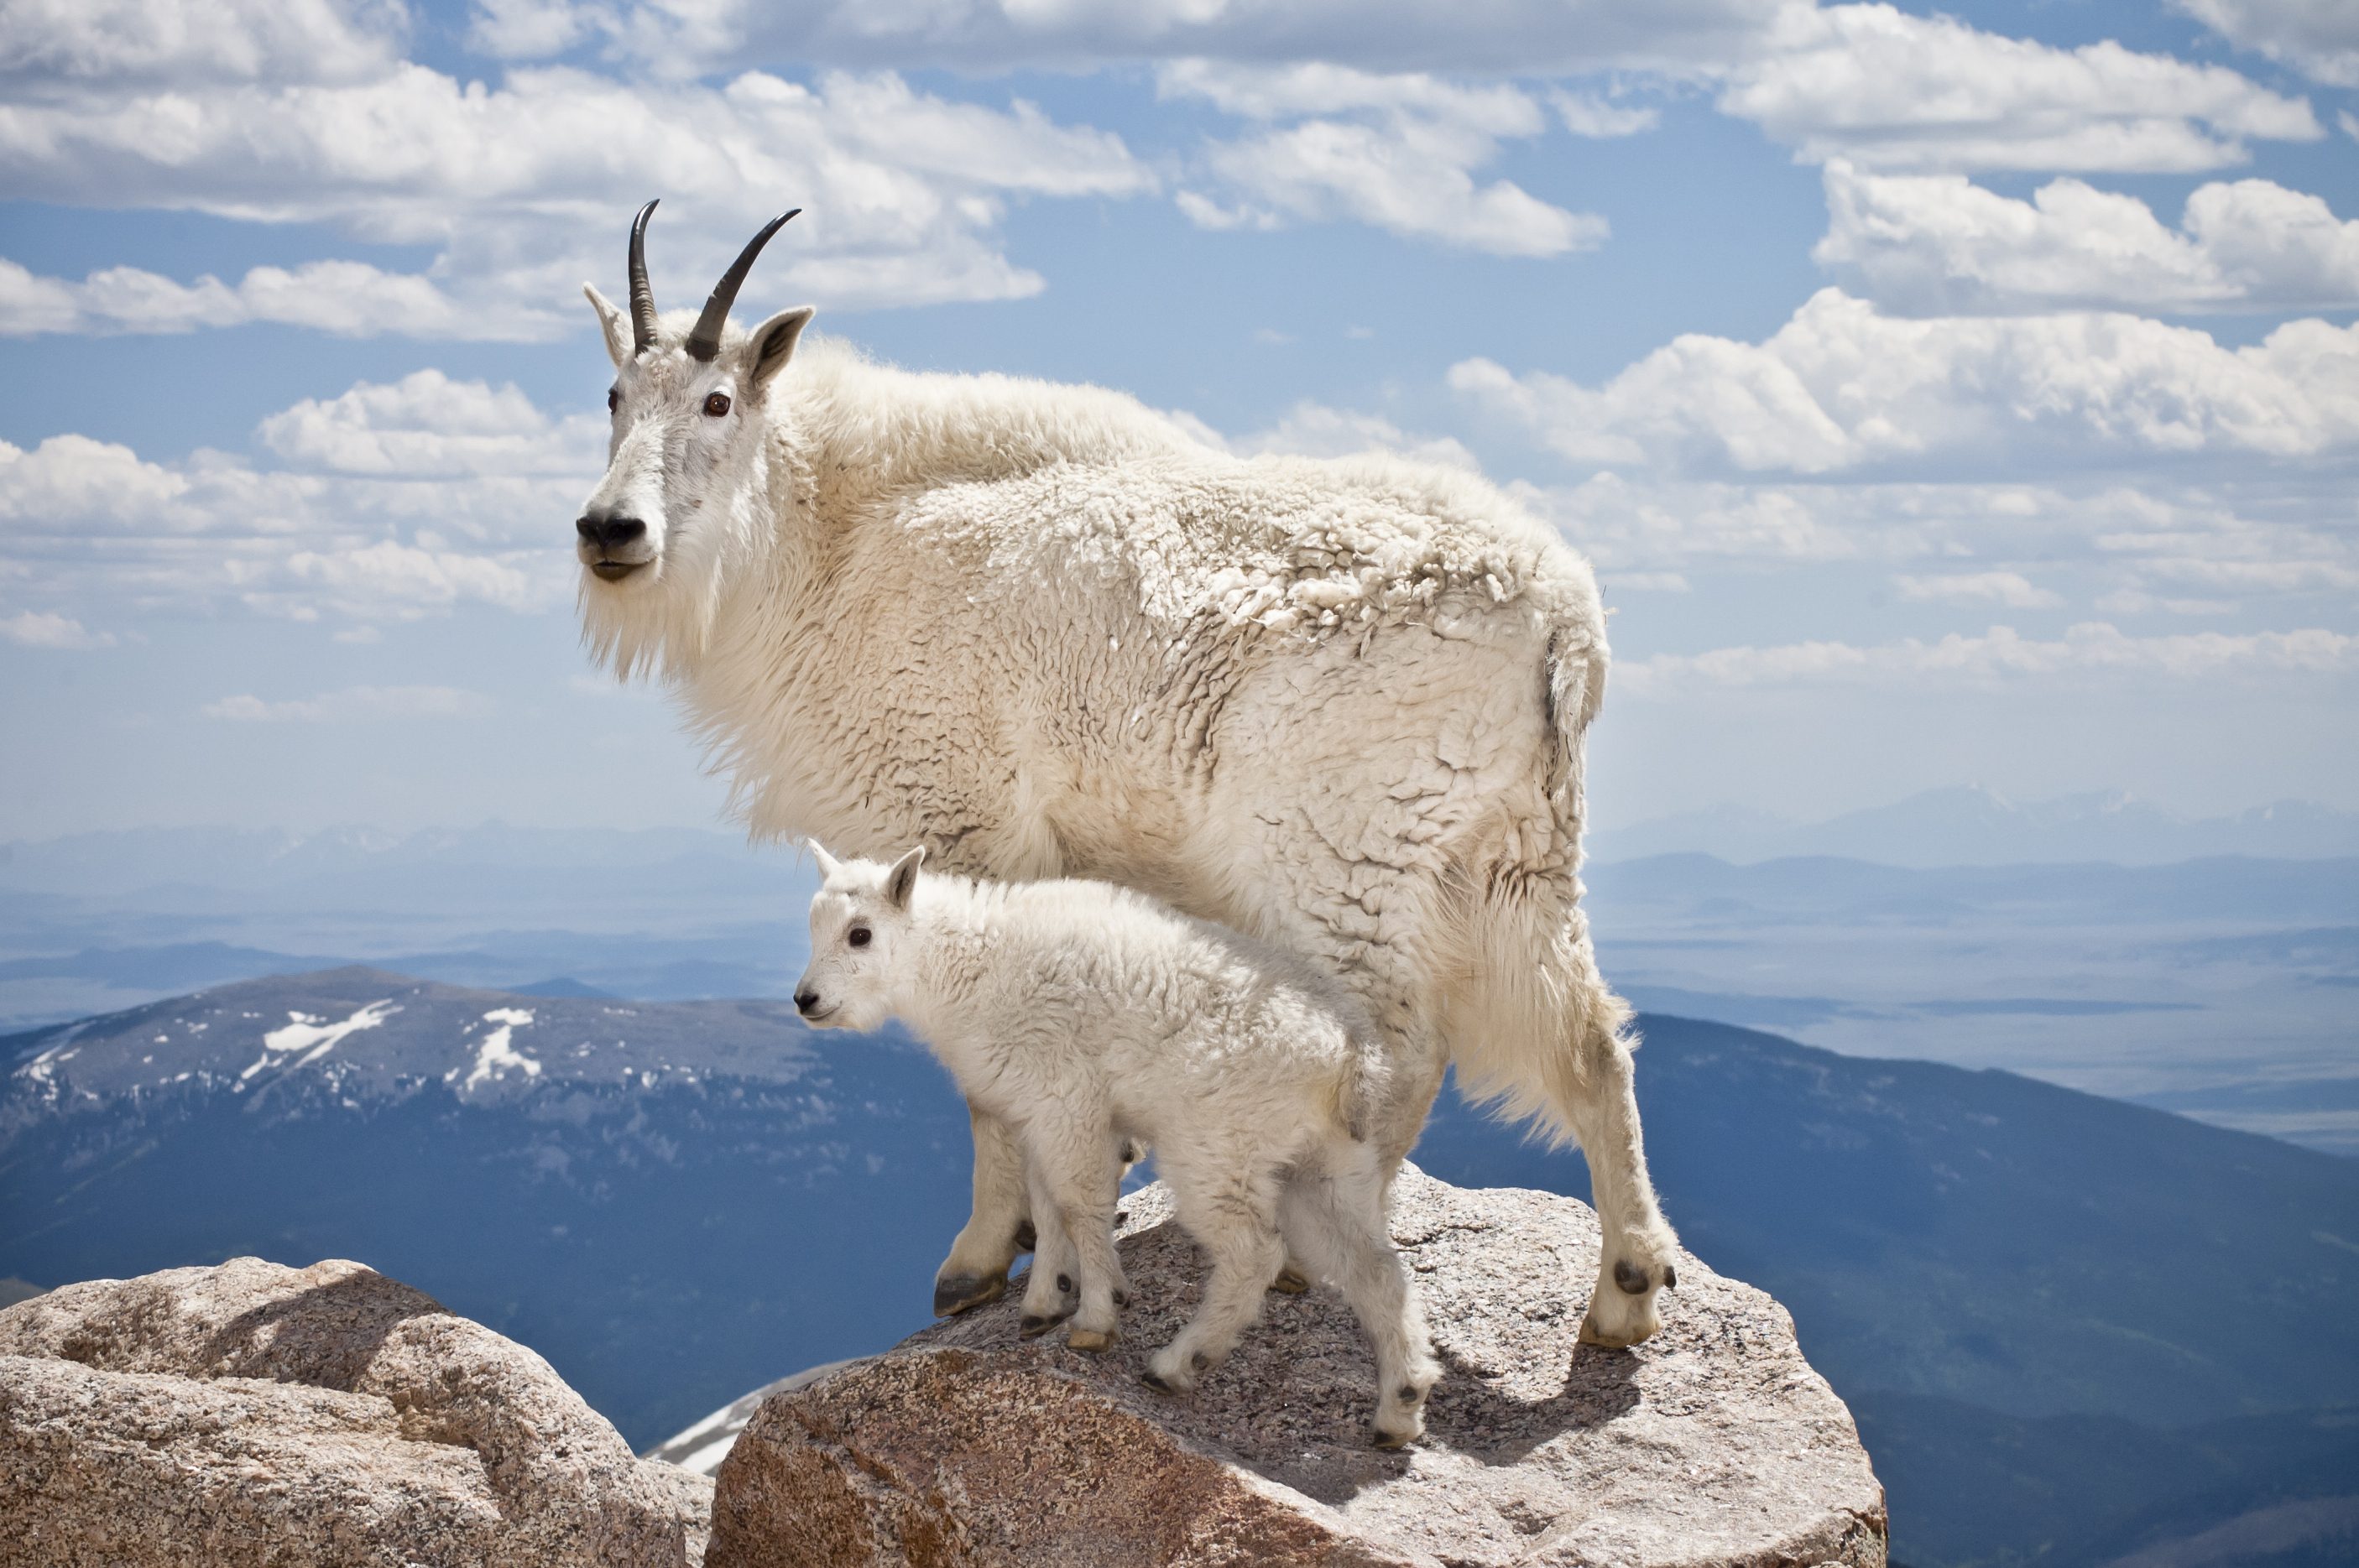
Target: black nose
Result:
[[607, 533], [806, 1001]]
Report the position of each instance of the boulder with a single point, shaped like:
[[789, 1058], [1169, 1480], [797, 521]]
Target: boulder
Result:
[[1713, 1442], [254, 1413]]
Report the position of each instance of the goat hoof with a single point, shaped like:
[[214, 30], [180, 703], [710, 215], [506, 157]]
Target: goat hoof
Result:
[[1090, 1340], [1158, 1384], [1289, 1282], [1591, 1334], [956, 1293], [1121, 1298], [1032, 1327], [1390, 1441], [1671, 1278], [1631, 1278], [1027, 1238]]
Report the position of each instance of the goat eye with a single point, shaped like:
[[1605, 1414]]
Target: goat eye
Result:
[[858, 937], [717, 405], [614, 399]]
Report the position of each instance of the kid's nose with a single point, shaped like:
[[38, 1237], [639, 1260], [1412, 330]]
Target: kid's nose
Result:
[[804, 1000]]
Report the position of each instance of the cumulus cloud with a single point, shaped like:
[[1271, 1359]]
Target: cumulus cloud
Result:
[[1313, 430], [402, 499], [2318, 37], [42, 629], [1842, 386], [1889, 90], [428, 425], [2090, 649], [2010, 589], [523, 190], [1399, 152], [348, 300], [354, 704], [45, 43], [1937, 245], [1553, 36]]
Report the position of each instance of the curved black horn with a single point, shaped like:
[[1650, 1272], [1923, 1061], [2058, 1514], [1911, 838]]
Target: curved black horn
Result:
[[643, 297], [705, 341]]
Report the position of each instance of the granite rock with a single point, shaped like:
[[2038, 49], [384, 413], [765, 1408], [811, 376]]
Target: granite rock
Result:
[[1713, 1443], [254, 1413]]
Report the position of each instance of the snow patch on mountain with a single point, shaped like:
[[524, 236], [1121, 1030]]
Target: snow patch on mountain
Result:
[[305, 1033], [494, 1055]]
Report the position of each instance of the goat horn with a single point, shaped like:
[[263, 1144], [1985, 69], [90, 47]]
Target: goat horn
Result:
[[704, 343], [643, 297]]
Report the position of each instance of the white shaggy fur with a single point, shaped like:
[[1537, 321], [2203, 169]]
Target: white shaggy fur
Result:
[[1336, 705], [1081, 1015]]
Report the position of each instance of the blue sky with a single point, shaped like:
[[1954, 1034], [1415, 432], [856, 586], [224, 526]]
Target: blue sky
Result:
[[1944, 398]]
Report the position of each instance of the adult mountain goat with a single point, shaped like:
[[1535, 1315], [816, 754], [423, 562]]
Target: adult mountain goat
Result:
[[1038, 629]]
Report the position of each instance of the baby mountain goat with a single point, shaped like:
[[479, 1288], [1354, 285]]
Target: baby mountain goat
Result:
[[1086, 1015]]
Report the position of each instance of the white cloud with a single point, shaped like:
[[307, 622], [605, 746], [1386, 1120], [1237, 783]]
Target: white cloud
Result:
[[1403, 161], [40, 629], [524, 189], [349, 299], [2091, 648], [1587, 115], [1842, 387], [2318, 37], [1316, 430], [1890, 90], [2010, 589], [421, 495], [428, 426], [1522, 35], [44, 43], [1939, 243], [356, 704]]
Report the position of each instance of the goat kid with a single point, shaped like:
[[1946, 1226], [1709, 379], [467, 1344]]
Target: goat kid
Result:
[[1086, 1015]]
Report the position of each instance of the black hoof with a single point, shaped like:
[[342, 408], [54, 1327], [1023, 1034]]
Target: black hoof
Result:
[[1032, 1327], [1158, 1384], [1121, 1298], [1389, 1442], [956, 1293], [1630, 1277], [1671, 1278], [1027, 1238]]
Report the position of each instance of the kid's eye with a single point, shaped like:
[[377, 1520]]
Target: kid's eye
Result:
[[858, 937], [614, 399], [717, 405]]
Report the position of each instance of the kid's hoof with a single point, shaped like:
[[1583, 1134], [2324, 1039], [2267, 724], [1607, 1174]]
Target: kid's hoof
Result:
[[1158, 1384], [1027, 1238], [1289, 1282], [1390, 1439], [956, 1293], [1032, 1327], [1090, 1340]]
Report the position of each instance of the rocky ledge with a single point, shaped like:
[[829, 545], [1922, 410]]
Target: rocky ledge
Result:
[[1713, 1443], [252, 1413]]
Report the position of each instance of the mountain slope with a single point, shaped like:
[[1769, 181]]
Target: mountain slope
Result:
[[2056, 1315]]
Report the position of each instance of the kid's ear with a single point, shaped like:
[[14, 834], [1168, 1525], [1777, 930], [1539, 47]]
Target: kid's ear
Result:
[[612, 322], [902, 880], [828, 864], [773, 344]]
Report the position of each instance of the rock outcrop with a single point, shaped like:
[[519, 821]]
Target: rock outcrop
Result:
[[1713, 1443], [252, 1413]]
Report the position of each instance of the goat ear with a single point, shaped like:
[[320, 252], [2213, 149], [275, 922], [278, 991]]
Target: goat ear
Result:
[[614, 323], [773, 344], [828, 864], [902, 880]]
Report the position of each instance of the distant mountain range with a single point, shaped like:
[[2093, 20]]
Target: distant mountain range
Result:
[[2071, 1328], [1970, 826]]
